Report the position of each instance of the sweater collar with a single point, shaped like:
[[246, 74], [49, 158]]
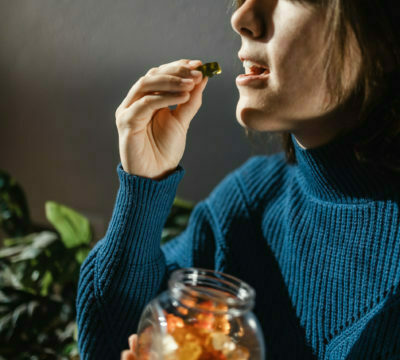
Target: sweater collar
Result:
[[332, 173]]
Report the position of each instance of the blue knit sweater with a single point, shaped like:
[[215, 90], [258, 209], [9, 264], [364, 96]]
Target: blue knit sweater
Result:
[[319, 241]]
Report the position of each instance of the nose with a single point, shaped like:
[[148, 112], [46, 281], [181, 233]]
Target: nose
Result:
[[247, 20]]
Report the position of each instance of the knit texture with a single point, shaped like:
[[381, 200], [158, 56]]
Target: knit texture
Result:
[[319, 241]]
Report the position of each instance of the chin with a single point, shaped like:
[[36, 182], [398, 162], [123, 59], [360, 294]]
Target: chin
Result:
[[257, 119]]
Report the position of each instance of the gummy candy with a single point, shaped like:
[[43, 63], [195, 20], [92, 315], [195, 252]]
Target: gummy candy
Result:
[[201, 331], [210, 69]]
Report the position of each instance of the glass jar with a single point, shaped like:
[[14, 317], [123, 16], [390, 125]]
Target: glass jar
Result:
[[203, 315]]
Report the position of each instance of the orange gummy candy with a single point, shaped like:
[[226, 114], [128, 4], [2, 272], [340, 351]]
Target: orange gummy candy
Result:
[[189, 351], [174, 322]]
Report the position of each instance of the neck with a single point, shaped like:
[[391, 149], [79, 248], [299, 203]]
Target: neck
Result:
[[320, 131]]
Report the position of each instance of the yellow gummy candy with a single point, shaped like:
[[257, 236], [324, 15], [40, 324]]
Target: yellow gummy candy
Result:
[[210, 69]]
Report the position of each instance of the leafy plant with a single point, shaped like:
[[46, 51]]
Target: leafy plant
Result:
[[38, 277], [39, 272], [14, 213], [177, 219]]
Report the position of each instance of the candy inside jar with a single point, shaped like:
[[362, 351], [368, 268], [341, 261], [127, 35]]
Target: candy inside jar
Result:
[[203, 315]]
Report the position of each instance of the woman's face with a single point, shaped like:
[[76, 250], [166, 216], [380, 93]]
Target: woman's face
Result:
[[287, 36]]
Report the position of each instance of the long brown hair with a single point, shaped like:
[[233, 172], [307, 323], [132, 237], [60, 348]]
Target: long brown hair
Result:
[[376, 26]]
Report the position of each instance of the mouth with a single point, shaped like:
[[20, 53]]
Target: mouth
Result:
[[253, 66], [256, 75], [254, 69]]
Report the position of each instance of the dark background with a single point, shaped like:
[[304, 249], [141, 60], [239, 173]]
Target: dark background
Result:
[[65, 66]]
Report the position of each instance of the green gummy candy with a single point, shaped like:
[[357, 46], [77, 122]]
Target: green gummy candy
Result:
[[210, 69]]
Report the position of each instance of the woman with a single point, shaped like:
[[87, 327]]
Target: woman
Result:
[[315, 230]]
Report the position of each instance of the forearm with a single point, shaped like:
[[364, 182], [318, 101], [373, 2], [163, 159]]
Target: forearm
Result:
[[127, 267], [134, 232]]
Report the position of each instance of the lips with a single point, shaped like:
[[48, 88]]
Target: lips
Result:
[[253, 65], [254, 69], [257, 72]]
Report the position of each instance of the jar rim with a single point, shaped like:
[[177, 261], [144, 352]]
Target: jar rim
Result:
[[210, 285]]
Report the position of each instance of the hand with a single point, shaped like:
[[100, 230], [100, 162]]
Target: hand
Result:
[[130, 354], [152, 137]]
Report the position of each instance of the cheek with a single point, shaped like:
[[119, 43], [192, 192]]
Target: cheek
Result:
[[298, 59], [299, 75], [297, 48]]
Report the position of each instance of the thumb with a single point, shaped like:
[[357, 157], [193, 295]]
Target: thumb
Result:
[[127, 355], [132, 342], [185, 112]]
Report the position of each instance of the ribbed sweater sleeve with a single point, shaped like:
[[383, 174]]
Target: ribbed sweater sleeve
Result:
[[128, 267], [125, 269]]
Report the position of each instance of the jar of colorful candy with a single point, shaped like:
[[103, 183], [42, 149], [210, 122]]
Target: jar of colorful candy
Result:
[[203, 315]]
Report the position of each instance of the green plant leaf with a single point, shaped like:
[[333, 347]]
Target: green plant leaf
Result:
[[71, 349], [22, 240], [182, 220], [179, 202], [46, 282], [38, 243], [73, 227], [14, 212], [8, 278], [76, 332], [11, 251], [81, 255], [8, 322]]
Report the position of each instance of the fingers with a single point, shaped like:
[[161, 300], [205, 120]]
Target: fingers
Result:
[[186, 111], [180, 68], [170, 84], [166, 77], [127, 355], [144, 108], [167, 83], [132, 342], [130, 354]]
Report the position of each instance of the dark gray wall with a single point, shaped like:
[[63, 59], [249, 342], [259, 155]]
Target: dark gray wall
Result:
[[66, 65]]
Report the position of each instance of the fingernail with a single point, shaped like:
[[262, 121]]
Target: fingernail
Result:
[[195, 73], [187, 81], [194, 62]]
